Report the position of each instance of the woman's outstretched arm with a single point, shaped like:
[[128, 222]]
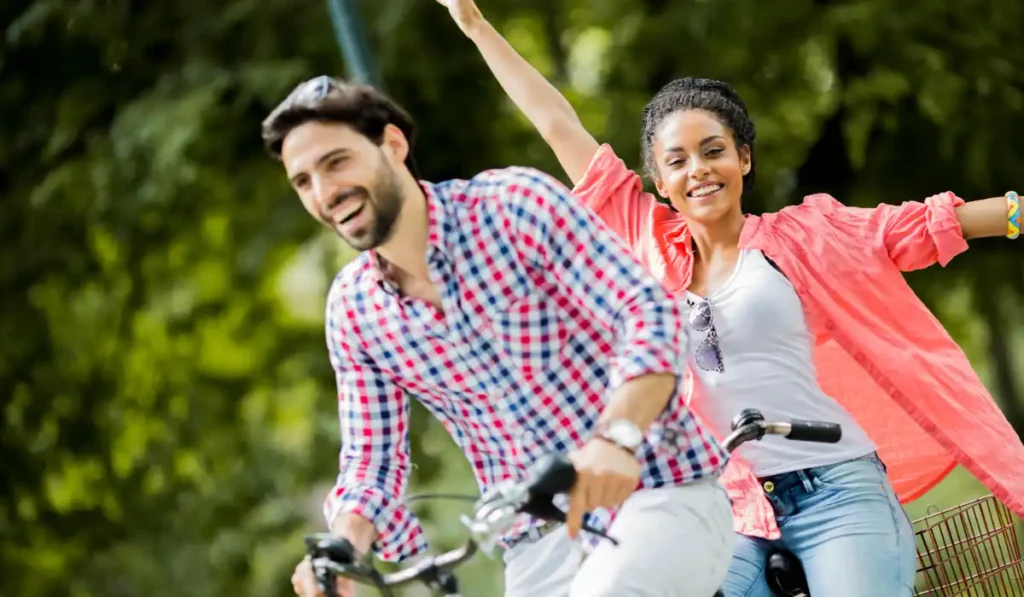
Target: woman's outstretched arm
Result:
[[919, 234]]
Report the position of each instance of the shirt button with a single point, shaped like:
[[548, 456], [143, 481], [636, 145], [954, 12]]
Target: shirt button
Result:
[[769, 486]]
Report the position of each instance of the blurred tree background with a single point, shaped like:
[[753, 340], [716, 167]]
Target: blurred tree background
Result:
[[169, 423]]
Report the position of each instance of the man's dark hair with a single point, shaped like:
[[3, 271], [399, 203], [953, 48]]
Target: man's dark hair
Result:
[[324, 99], [709, 95]]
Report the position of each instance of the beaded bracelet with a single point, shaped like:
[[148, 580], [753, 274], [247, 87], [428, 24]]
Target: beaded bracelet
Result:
[[1012, 215]]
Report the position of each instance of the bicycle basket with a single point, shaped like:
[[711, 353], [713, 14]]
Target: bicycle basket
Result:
[[969, 550]]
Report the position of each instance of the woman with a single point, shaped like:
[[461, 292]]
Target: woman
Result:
[[802, 313]]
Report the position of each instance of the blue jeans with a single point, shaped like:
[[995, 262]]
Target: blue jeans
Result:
[[846, 526]]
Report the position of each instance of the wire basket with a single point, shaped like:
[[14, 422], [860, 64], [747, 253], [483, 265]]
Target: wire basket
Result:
[[970, 550]]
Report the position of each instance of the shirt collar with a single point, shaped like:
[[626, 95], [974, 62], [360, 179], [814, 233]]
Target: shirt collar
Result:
[[676, 232], [437, 215]]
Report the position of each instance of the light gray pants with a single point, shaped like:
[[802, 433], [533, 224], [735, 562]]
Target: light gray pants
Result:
[[673, 542]]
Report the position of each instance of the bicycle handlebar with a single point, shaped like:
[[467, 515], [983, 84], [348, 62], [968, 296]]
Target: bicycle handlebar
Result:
[[750, 425], [495, 512], [499, 508], [333, 556]]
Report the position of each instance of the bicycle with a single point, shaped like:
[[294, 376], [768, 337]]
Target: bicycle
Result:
[[498, 509]]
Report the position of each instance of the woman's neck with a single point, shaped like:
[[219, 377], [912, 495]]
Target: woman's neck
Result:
[[718, 236]]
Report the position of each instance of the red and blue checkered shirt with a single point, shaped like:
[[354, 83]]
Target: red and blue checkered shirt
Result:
[[544, 313]]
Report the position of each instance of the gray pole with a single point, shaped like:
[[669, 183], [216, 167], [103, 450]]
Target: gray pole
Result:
[[348, 28]]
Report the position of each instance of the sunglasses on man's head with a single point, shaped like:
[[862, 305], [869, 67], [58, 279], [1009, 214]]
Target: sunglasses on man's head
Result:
[[314, 89]]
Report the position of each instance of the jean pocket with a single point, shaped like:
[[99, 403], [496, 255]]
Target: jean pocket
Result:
[[861, 474]]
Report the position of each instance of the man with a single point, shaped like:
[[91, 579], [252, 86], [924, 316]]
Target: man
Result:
[[526, 327]]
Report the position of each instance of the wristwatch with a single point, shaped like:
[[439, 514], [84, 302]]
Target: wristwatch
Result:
[[622, 432]]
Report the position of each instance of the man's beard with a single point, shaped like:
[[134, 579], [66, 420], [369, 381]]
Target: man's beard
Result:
[[386, 200]]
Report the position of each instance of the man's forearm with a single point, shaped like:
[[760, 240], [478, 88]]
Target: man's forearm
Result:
[[358, 530], [641, 399]]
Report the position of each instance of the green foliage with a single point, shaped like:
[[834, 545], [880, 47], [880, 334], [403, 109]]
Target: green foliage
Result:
[[168, 422]]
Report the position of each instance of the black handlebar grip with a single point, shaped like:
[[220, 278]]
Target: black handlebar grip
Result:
[[815, 431], [550, 474], [338, 550]]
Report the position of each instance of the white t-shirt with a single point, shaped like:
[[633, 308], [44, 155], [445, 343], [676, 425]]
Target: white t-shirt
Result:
[[764, 360]]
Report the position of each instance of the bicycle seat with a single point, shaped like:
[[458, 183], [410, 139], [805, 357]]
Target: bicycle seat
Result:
[[785, 575]]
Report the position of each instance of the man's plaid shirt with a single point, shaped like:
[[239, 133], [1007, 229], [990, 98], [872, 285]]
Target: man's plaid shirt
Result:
[[544, 313]]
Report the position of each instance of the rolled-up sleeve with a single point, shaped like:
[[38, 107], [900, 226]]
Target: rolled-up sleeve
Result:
[[919, 234], [591, 269], [915, 234], [374, 460]]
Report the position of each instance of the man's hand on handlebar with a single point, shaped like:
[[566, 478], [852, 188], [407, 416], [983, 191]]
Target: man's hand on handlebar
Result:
[[605, 476], [304, 583]]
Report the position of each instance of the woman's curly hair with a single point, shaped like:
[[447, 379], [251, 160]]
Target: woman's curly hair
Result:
[[709, 95]]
